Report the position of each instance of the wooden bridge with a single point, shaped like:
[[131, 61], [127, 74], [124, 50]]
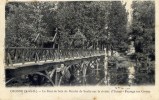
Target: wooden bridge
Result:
[[48, 62]]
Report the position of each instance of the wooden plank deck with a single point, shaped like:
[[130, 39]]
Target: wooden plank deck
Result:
[[31, 67]]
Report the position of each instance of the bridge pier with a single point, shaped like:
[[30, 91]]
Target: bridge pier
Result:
[[97, 68], [106, 80], [84, 72]]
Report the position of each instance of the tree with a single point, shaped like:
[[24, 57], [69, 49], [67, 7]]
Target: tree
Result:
[[117, 26], [143, 27], [35, 23], [26, 24], [90, 17]]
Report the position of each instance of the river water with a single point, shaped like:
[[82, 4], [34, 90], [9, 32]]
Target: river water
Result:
[[119, 71], [114, 74]]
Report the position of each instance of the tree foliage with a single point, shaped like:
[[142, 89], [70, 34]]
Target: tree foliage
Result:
[[92, 18], [143, 27], [30, 24], [25, 24], [117, 26]]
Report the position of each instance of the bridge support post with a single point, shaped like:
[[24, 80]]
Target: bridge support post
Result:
[[46, 76], [97, 68], [106, 67], [84, 70], [58, 70]]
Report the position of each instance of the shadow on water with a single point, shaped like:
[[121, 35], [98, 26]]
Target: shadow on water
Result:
[[120, 73]]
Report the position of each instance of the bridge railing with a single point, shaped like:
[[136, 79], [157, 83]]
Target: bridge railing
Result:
[[22, 55]]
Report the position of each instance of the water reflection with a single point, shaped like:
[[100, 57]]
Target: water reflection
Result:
[[119, 71]]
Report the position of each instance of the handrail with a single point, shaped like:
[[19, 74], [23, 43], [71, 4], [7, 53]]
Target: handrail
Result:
[[22, 55], [49, 48]]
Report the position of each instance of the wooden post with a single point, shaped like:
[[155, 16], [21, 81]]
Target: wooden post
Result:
[[49, 76], [131, 71], [106, 67], [10, 60], [84, 69], [58, 69], [55, 35], [97, 73], [56, 78], [52, 73], [15, 57], [37, 58], [23, 57]]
